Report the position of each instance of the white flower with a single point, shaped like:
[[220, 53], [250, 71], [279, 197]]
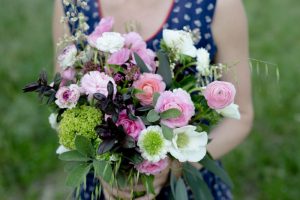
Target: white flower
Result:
[[110, 42], [67, 58], [62, 149], [231, 111], [86, 55], [202, 61], [152, 144], [67, 97], [180, 41], [53, 121], [188, 144]]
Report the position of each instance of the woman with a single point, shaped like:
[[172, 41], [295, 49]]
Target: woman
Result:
[[223, 27]]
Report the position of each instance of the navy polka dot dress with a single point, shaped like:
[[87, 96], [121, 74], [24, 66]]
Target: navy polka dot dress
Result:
[[197, 15]]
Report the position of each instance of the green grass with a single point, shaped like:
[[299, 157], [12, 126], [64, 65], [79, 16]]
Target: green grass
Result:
[[265, 167]]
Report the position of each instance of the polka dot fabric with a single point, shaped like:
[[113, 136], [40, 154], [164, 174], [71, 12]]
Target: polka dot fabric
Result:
[[197, 15]]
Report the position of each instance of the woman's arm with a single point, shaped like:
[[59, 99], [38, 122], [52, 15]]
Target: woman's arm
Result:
[[230, 32]]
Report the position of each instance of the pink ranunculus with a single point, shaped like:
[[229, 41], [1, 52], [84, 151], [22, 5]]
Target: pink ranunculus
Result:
[[96, 82], [105, 25], [180, 100], [148, 168], [67, 97], [131, 127], [219, 94], [68, 74], [119, 57], [149, 84]]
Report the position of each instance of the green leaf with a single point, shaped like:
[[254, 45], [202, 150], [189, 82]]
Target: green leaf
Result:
[[181, 191], [152, 116], [73, 156], [155, 98], [171, 113], [173, 184], [148, 183], [167, 132], [164, 68], [84, 146], [78, 174], [103, 169], [195, 181], [213, 167], [140, 63]]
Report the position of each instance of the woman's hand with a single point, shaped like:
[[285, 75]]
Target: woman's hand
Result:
[[112, 193]]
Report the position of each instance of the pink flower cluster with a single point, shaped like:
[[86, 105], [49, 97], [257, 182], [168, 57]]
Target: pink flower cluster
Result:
[[148, 168], [180, 100], [219, 94]]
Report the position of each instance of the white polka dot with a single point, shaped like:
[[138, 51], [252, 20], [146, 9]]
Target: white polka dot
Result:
[[96, 4], [87, 8], [199, 1], [186, 17], [208, 47], [197, 23], [95, 15], [155, 42], [175, 20], [188, 5], [207, 35], [208, 19], [176, 9], [166, 26], [198, 10], [210, 6]]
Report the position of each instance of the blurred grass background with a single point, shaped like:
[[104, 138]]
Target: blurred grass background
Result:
[[265, 167]]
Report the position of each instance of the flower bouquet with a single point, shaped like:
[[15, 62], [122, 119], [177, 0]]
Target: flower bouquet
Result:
[[123, 112]]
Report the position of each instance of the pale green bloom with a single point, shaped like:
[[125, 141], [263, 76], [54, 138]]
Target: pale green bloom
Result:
[[188, 144], [152, 144], [78, 121]]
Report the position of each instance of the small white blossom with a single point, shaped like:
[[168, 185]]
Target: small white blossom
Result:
[[231, 111], [67, 58], [202, 61], [62, 149], [188, 144], [110, 42], [180, 41]]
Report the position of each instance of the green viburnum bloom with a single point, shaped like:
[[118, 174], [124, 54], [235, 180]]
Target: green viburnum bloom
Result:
[[82, 121], [152, 144]]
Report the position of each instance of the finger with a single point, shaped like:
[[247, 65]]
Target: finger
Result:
[[115, 192], [151, 196], [107, 195]]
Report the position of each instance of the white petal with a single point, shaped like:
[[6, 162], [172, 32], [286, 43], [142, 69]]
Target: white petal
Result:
[[195, 156], [198, 139], [62, 149], [231, 111]]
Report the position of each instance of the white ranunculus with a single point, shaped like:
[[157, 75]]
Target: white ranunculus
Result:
[[110, 42], [231, 111], [67, 57], [202, 61], [181, 41], [188, 144], [62, 149], [53, 121]]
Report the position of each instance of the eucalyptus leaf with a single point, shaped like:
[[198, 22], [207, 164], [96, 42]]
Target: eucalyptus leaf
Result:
[[152, 116], [213, 167], [173, 184], [84, 146], [171, 113], [78, 174], [167, 132], [164, 68], [103, 169], [73, 156], [181, 191], [155, 98], [140, 63]]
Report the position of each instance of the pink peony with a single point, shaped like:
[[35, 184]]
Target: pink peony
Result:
[[105, 25], [119, 57], [96, 82], [131, 127], [148, 168], [67, 97], [219, 94], [68, 74], [180, 100], [149, 84]]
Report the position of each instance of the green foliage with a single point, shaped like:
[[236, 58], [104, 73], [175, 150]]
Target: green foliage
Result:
[[140, 63], [164, 68], [171, 113], [153, 116]]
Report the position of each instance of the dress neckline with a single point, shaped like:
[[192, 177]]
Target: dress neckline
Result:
[[160, 27]]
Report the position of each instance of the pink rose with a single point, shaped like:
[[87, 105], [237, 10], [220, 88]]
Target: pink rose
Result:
[[131, 127], [180, 100], [219, 94], [96, 82], [67, 97], [149, 84], [148, 168], [105, 25], [119, 57]]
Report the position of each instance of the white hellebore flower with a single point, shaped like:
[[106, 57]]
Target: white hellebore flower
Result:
[[67, 57], [181, 41], [202, 61], [188, 144], [53, 121], [110, 42], [62, 149], [152, 144], [231, 111]]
